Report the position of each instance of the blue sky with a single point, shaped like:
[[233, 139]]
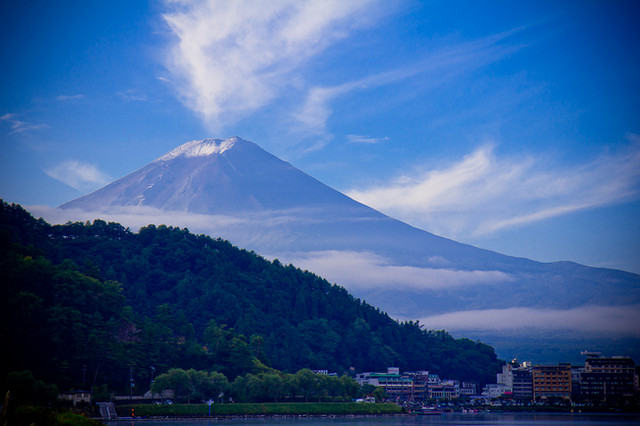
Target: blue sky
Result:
[[513, 126]]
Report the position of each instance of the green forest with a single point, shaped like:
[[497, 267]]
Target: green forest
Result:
[[94, 305]]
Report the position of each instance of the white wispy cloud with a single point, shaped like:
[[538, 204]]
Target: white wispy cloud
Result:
[[435, 68], [231, 58], [365, 139], [81, 176], [316, 110], [599, 319], [70, 97], [367, 271], [483, 192], [19, 126], [131, 95]]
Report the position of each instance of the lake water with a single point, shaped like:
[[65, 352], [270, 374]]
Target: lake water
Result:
[[503, 419]]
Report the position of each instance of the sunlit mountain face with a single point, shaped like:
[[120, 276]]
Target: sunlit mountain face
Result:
[[235, 190]]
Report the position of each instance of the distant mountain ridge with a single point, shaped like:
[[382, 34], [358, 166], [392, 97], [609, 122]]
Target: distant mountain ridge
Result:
[[234, 189]]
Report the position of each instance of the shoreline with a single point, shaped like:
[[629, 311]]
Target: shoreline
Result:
[[358, 416], [248, 416]]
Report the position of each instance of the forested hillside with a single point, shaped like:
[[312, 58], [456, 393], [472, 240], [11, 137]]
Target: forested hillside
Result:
[[85, 303]]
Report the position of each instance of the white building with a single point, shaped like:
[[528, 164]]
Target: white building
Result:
[[495, 390]]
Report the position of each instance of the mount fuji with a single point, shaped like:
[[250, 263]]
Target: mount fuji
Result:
[[235, 190]]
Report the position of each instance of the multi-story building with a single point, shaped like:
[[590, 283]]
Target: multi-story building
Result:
[[607, 378], [517, 378], [446, 389], [576, 382], [495, 390], [506, 376], [395, 385], [451, 389], [436, 391], [434, 387], [551, 381], [420, 384], [522, 384], [468, 389]]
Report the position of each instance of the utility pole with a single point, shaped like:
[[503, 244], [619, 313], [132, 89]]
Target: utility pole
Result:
[[131, 381]]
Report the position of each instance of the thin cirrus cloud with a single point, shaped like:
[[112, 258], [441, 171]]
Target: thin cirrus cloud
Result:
[[230, 58], [70, 97], [366, 271], [435, 68], [131, 95], [81, 176], [17, 125], [621, 320], [484, 193], [365, 139]]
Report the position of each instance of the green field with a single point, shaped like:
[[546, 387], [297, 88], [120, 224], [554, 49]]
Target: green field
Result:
[[196, 410], [29, 415]]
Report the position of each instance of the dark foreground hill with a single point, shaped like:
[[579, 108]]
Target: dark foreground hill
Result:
[[96, 299]]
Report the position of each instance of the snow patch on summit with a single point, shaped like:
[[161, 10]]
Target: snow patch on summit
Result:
[[200, 148]]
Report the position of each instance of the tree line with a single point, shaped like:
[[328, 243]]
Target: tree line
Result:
[[273, 386]]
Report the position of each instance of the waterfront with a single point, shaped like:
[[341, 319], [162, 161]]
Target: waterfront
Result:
[[503, 419]]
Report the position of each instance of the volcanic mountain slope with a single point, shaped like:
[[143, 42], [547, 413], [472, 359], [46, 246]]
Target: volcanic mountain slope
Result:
[[234, 189], [237, 179], [214, 177]]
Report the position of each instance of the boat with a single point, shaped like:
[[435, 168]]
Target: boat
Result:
[[429, 411]]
